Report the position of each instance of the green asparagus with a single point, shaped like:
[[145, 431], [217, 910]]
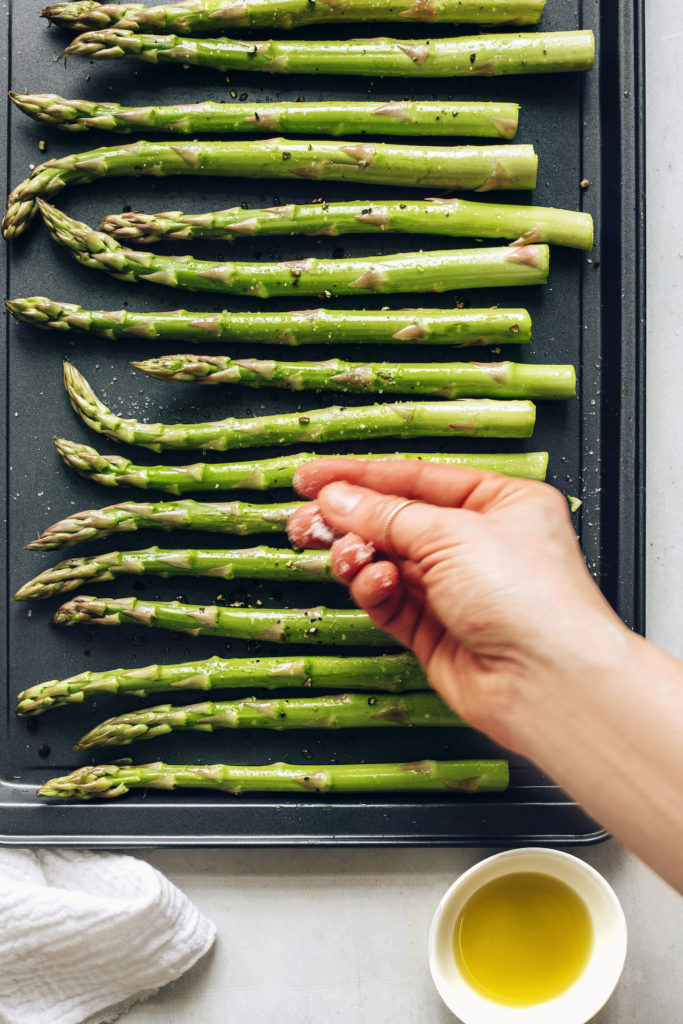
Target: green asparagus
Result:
[[340, 711], [438, 271], [451, 167], [216, 16], [395, 673], [440, 380], [462, 417], [460, 328], [272, 625], [113, 780], [452, 217], [259, 563], [210, 517], [520, 53], [331, 117], [262, 474]]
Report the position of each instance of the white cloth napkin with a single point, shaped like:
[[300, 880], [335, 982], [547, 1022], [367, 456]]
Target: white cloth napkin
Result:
[[83, 936]]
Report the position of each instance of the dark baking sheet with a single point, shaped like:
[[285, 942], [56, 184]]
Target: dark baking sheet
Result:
[[591, 314]]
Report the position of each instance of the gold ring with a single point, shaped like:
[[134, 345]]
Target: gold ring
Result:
[[386, 536]]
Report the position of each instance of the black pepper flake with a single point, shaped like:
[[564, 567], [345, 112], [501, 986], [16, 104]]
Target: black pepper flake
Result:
[[473, 57], [43, 750], [286, 155], [372, 700], [304, 419]]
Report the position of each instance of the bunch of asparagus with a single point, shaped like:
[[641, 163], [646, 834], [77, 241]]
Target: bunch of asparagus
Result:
[[470, 399]]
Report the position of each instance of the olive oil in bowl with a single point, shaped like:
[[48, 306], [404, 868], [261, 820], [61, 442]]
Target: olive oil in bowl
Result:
[[523, 938]]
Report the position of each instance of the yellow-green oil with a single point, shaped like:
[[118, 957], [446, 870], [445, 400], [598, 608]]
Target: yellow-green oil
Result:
[[523, 939]]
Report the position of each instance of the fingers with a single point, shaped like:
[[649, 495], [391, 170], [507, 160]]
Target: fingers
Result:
[[373, 587], [350, 509], [349, 555], [449, 486], [306, 528]]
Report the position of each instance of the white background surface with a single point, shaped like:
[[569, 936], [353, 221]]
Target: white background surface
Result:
[[339, 935]]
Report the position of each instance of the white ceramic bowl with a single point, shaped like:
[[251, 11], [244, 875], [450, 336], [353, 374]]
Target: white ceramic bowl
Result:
[[586, 996]]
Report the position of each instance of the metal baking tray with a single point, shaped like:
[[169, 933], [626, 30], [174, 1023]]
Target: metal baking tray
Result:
[[591, 314]]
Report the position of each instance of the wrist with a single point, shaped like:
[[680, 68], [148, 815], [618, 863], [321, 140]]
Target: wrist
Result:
[[588, 667]]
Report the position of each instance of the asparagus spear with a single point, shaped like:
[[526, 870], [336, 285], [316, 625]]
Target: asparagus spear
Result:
[[451, 217], [416, 776], [463, 417], [262, 474], [385, 163], [440, 380], [521, 53], [458, 327], [398, 117], [210, 517], [393, 672], [340, 711], [216, 16], [259, 563], [274, 625], [437, 271]]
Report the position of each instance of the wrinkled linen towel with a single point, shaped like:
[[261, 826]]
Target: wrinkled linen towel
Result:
[[83, 935]]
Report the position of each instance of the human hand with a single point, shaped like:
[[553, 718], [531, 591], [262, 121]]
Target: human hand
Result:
[[486, 584]]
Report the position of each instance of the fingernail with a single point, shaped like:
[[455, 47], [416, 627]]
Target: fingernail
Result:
[[342, 498]]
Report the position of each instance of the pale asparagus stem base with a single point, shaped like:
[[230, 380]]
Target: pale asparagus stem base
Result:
[[451, 217], [438, 380], [434, 271], [520, 53], [260, 563], [459, 328], [340, 711], [217, 16], [395, 673], [114, 780], [236, 517], [398, 117], [475, 417], [386, 163], [270, 625], [262, 474]]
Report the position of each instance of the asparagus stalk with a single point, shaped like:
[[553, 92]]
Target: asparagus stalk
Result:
[[216, 16], [340, 711], [273, 625], [440, 380], [463, 417], [113, 780], [452, 167], [259, 563], [451, 217], [210, 517], [460, 328], [398, 117], [262, 474], [521, 53], [395, 673], [438, 271]]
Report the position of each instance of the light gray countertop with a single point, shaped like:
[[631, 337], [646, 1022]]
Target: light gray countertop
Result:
[[310, 936]]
